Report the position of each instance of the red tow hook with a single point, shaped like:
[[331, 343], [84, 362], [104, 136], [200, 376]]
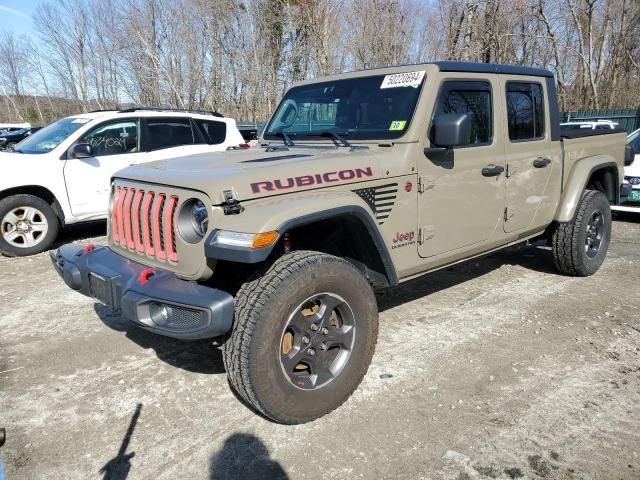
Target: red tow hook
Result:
[[86, 249], [145, 275]]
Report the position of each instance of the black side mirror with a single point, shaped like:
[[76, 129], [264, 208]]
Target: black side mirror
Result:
[[449, 130], [82, 150]]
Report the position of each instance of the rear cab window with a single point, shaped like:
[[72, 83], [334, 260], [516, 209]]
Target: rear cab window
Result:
[[525, 111]]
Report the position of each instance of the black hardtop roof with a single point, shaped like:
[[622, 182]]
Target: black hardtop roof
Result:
[[471, 67], [491, 68]]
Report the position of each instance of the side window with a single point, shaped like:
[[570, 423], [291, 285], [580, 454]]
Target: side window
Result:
[[168, 132], [525, 111], [473, 98], [213, 132], [114, 138]]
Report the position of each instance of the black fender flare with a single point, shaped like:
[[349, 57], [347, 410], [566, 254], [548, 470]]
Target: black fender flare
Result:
[[216, 251]]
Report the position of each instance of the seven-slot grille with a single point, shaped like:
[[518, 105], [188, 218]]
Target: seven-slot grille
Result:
[[142, 221]]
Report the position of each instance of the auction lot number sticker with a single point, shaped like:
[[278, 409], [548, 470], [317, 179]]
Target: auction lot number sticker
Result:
[[407, 79]]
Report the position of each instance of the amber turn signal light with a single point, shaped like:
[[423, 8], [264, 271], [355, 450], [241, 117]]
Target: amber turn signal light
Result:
[[264, 239]]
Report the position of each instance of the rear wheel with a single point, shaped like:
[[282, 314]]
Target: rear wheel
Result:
[[28, 225], [580, 246], [304, 334]]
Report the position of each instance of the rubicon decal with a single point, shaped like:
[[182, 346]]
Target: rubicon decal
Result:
[[309, 180]]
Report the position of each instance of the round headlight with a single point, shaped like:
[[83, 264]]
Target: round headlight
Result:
[[193, 221]]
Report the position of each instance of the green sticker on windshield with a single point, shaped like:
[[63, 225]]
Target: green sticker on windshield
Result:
[[398, 125]]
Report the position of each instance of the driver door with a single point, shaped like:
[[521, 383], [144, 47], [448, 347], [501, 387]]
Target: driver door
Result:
[[462, 197], [115, 145]]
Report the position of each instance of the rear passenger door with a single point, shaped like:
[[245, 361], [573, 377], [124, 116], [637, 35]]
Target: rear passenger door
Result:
[[166, 137], [534, 160]]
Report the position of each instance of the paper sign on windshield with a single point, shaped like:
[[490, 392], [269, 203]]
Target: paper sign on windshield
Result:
[[407, 79]]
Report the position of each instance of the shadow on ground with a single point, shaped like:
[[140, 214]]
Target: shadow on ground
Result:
[[118, 467], [244, 456], [536, 257], [626, 217], [81, 231], [199, 356], [204, 357]]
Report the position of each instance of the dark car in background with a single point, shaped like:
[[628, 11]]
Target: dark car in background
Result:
[[9, 139]]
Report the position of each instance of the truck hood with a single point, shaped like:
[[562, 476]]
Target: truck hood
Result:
[[255, 173]]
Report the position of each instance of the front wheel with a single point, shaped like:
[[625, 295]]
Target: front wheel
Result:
[[28, 225], [580, 246], [304, 334]]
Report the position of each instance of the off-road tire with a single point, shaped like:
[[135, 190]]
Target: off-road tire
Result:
[[25, 200], [262, 308], [569, 239]]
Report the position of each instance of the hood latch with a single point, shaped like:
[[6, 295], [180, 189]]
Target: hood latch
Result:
[[230, 206]]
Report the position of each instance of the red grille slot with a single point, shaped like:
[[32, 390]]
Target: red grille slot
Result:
[[169, 213], [144, 222], [156, 229], [114, 214], [135, 220], [123, 193], [146, 228], [128, 237]]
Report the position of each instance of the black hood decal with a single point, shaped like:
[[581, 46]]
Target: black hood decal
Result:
[[273, 159]]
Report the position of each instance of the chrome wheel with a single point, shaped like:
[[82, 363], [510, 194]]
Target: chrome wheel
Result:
[[317, 341], [595, 234], [24, 227]]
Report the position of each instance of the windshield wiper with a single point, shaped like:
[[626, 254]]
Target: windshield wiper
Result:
[[337, 137]]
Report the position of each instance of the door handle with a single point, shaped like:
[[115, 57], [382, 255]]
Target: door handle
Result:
[[541, 162], [492, 170]]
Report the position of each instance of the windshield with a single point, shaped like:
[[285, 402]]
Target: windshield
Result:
[[365, 108], [49, 137], [16, 132]]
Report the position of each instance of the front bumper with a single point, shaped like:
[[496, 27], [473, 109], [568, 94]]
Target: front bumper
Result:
[[159, 302]]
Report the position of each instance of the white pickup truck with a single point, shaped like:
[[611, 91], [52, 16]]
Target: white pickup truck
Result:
[[61, 174], [632, 178]]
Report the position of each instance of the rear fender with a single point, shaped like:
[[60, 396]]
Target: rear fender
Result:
[[579, 177]]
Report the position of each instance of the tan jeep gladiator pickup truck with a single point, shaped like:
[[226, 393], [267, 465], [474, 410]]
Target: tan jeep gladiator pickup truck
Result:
[[364, 180]]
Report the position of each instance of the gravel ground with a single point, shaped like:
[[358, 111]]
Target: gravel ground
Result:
[[498, 368]]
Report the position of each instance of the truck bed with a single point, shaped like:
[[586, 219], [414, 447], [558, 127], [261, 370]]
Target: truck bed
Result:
[[569, 132]]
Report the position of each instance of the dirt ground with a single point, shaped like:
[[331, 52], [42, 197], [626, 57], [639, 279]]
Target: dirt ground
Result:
[[498, 368]]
